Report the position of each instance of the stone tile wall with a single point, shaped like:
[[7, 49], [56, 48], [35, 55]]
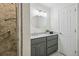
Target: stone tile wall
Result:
[[8, 40]]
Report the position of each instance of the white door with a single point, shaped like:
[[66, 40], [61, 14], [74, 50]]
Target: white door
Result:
[[67, 30]]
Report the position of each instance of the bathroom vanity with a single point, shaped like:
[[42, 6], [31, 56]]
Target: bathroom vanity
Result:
[[44, 44]]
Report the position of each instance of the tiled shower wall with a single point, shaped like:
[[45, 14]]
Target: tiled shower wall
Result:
[[8, 40]]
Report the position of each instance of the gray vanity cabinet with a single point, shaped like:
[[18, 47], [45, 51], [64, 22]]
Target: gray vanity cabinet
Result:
[[44, 45], [34, 50], [38, 47], [52, 44], [42, 49]]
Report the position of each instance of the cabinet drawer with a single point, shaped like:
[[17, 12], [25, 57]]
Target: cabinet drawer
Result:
[[52, 49], [52, 42], [52, 37], [38, 40]]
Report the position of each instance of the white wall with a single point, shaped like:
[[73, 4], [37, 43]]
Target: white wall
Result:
[[38, 7], [54, 19]]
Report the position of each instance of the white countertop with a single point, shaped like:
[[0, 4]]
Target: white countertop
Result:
[[41, 35]]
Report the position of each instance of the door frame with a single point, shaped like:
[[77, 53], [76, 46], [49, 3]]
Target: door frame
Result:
[[19, 29], [23, 29]]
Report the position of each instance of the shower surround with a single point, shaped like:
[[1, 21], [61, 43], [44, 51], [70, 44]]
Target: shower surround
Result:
[[8, 37]]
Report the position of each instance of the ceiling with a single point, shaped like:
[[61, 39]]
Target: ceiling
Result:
[[56, 4]]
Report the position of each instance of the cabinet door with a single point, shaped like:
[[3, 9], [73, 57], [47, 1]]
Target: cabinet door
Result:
[[38, 47], [34, 50], [42, 49]]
